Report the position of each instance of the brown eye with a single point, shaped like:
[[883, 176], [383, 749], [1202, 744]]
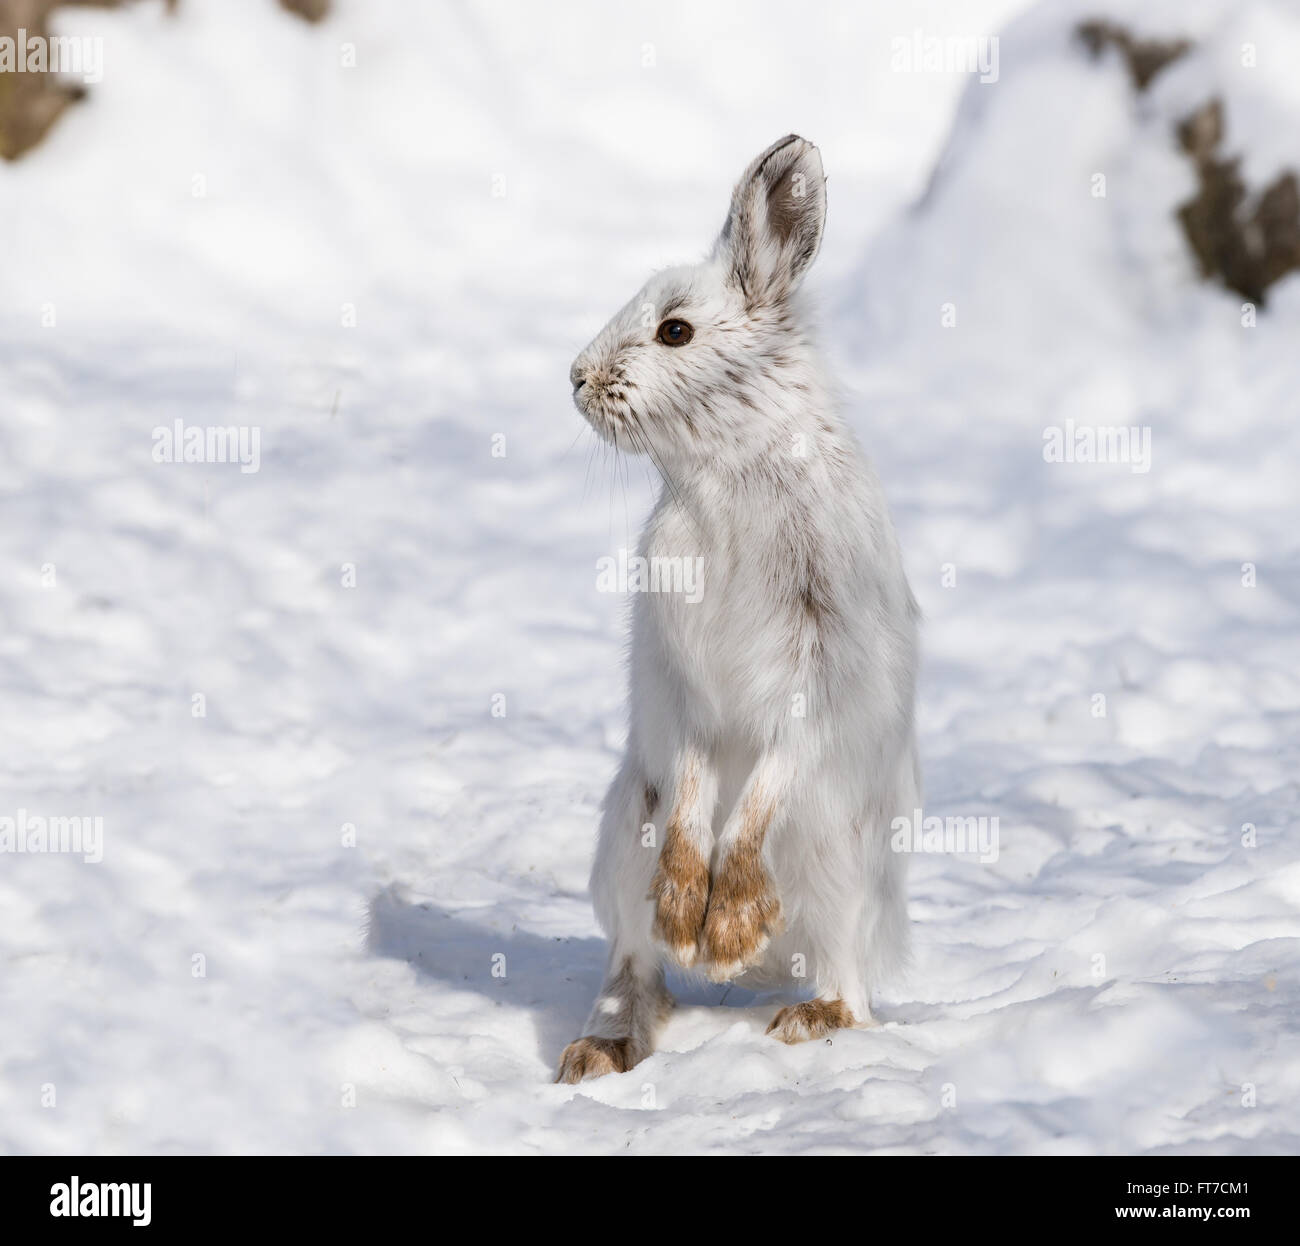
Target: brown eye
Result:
[[675, 333]]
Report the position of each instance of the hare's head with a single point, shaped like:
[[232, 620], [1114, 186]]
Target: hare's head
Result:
[[707, 360]]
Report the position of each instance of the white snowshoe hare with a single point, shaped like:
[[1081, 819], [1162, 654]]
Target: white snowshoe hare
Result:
[[747, 832]]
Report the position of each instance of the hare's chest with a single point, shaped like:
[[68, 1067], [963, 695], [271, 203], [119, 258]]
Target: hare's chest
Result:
[[709, 613]]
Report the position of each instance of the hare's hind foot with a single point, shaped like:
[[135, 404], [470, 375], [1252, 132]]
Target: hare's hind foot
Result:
[[815, 1018], [594, 1057], [633, 1003]]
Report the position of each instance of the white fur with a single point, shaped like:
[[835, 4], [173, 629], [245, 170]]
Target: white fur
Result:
[[805, 605]]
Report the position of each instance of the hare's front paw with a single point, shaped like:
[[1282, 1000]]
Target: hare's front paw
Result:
[[594, 1057], [744, 913], [680, 891]]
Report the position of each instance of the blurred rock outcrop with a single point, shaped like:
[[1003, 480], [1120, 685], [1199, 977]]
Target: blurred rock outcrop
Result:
[[312, 10], [31, 101], [1248, 249], [1144, 57], [1247, 246]]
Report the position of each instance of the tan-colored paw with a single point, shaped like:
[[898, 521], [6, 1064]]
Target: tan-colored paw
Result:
[[743, 915], [680, 891], [594, 1057], [815, 1018]]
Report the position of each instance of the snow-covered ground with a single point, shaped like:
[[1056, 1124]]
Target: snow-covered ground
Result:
[[296, 938]]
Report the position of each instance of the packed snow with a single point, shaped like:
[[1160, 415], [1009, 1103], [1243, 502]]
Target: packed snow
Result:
[[347, 717]]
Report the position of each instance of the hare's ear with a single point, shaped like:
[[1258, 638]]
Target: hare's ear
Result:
[[775, 225]]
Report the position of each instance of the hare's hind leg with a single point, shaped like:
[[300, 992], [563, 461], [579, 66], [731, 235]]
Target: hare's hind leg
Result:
[[632, 1004], [633, 999], [840, 1002], [846, 893]]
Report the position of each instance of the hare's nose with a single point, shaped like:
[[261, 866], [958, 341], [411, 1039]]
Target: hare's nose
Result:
[[578, 375]]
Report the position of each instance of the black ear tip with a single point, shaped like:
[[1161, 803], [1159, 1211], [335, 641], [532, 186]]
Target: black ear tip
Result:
[[764, 163], [790, 140], [792, 148]]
